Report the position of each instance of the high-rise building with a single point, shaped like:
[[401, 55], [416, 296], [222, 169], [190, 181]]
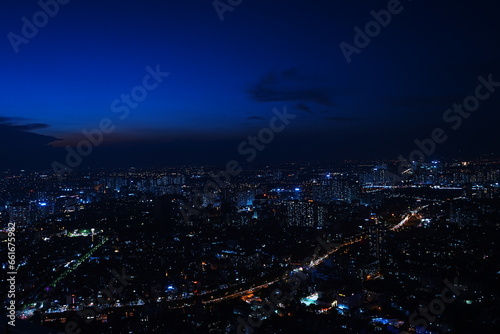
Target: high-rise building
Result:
[[335, 187], [245, 198], [377, 236], [305, 214], [19, 214]]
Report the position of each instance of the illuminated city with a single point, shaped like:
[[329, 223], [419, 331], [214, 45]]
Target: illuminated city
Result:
[[250, 167]]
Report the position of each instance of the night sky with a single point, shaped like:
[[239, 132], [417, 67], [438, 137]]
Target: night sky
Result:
[[226, 77]]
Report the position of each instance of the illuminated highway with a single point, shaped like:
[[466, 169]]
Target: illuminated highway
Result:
[[253, 289], [415, 213]]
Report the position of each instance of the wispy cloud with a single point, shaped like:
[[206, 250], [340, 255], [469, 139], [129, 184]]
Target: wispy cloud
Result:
[[255, 118], [290, 86], [13, 122], [423, 101], [341, 119], [303, 107]]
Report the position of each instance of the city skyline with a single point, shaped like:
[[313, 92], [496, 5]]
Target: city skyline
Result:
[[249, 167], [292, 247]]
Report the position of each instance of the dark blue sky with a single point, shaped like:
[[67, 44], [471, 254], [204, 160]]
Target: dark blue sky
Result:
[[227, 76]]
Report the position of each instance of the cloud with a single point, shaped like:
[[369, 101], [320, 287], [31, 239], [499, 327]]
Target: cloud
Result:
[[303, 107], [424, 101], [263, 94], [21, 148], [288, 86], [32, 127], [255, 118], [470, 68], [12, 122], [341, 119]]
